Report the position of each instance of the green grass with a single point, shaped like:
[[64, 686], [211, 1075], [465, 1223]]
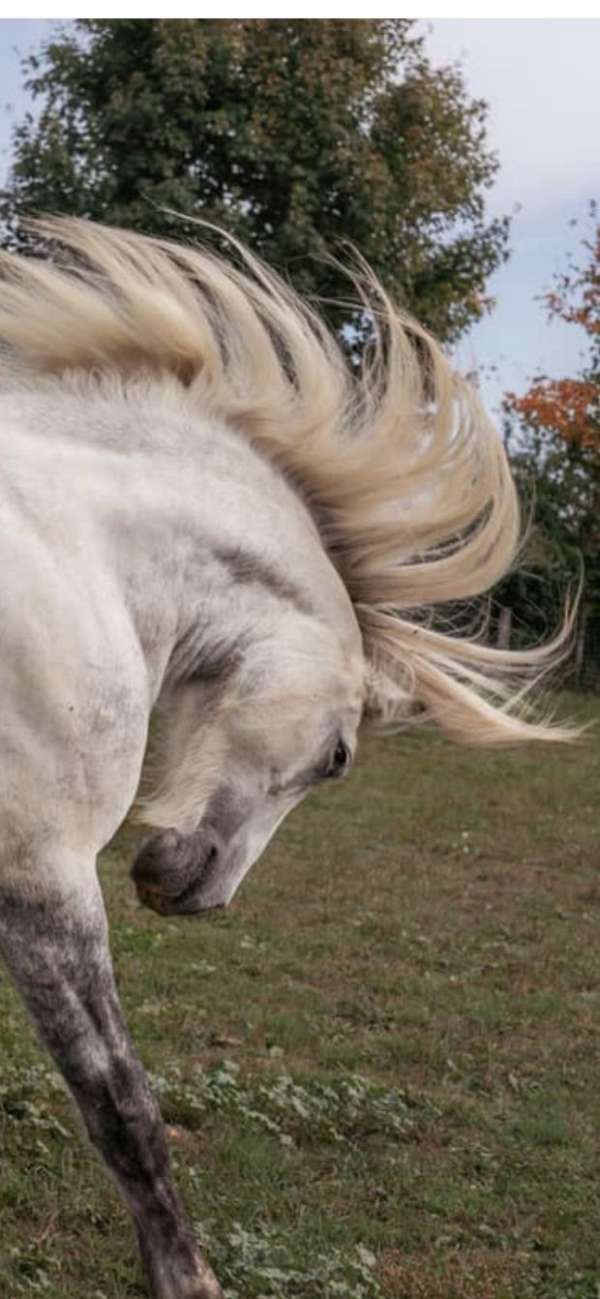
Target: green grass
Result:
[[379, 1069]]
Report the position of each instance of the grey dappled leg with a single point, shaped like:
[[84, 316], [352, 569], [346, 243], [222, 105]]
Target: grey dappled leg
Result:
[[57, 951]]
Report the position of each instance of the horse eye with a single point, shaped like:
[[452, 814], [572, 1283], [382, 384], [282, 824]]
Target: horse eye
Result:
[[340, 760]]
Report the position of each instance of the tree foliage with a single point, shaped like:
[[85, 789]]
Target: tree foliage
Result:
[[557, 447], [569, 409], [295, 135]]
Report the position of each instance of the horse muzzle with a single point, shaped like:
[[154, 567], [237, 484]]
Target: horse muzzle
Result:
[[173, 872]]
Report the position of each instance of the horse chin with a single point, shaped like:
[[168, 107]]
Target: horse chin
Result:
[[175, 874]]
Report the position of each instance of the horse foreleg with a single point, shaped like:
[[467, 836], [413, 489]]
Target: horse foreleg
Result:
[[56, 947]]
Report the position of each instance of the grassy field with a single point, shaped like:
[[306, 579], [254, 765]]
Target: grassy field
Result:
[[380, 1069]]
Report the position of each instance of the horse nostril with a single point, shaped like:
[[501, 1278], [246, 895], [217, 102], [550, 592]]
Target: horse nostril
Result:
[[211, 857]]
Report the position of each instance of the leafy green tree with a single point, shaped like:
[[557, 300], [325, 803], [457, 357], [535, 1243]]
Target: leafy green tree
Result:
[[295, 135]]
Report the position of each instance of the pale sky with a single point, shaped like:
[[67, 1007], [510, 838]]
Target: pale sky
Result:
[[540, 79]]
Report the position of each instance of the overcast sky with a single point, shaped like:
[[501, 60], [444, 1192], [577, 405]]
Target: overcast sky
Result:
[[540, 79]]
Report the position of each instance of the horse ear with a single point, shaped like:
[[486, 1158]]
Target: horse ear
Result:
[[389, 702]]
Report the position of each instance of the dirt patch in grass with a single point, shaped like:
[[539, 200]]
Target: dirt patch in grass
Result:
[[476, 1274]]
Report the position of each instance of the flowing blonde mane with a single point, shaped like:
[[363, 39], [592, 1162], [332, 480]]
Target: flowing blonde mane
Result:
[[407, 477]]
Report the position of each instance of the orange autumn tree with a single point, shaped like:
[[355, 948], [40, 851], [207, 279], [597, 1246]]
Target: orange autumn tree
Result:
[[554, 438], [570, 408]]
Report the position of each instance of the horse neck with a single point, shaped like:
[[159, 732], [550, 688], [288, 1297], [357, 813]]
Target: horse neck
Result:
[[199, 529]]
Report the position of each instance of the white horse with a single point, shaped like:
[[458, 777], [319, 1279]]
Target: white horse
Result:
[[204, 511]]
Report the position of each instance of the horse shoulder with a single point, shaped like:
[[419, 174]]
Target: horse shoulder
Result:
[[74, 696]]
